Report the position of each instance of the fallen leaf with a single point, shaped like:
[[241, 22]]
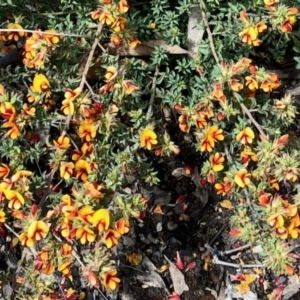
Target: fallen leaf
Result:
[[135, 258], [163, 268], [158, 210], [178, 279], [151, 278], [226, 204], [184, 217]]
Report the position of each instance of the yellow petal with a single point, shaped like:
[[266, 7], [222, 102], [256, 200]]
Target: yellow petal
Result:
[[32, 229], [101, 215], [239, 181]]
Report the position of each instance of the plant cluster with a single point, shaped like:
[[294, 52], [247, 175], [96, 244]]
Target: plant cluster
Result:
[[70, 146]]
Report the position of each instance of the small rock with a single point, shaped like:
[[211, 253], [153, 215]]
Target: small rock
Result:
[[172, 226], [128, 241], [159, 227]]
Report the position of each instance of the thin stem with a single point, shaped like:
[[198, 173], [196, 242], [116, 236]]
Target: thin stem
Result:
[[210, 36], [153, 88], [258, 127], [90, 57], [42, 32]]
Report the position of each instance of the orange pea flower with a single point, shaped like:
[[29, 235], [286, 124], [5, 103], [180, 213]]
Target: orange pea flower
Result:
[[8, 112], [85, 149], [286, 26], [122, 226], [213, 134], [116, 39], [85, 234], [218, 92], [110, 281], [134, 42], [14, 35], [4, 170], [68, 103], [25, 240], [93, 279], [119, 24], [235, 85], [264, 198], [247, 155], [223, 187], [129, 87], [261, 27], [63, 143], [249, 36], [15, 199], [28, 111], [101, 219], [82, 169], [14, 130], [2, 216], [251, 83], [106, 88], [242, 178], [106, 18], [51, 37], [148, 138], [40, 83], [86, 214], [245, 136], [68, 107], [110, 73], [66, 170], [122, 7], [65, 268], [87, 131], [42, 263], [65, 228], [111, 237], [270, 2], [38, 230], [66, 250], [20, 174], [216, 162], [183, 124]]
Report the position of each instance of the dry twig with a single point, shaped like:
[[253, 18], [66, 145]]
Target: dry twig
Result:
[[150, 108]]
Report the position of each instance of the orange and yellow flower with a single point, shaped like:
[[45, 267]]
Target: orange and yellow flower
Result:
[[122, 226], [111, 237], [85, 235], [216, 162], [223, 187], [122, 7], [245, 136], [213, 134], [242, 178], [38, 230], [101, 219], [63, 143], [40, 83], [16, 200], [148, 138], [66, 170], [4, 170], [87, 131], [110, 281], [82, 169]]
